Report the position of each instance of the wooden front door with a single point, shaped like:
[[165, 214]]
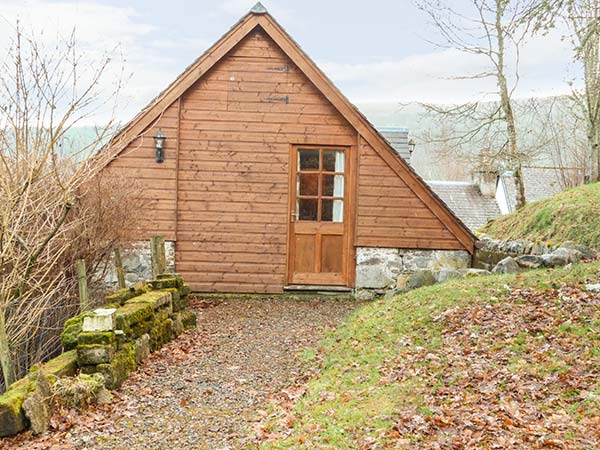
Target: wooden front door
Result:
[[318, 216]]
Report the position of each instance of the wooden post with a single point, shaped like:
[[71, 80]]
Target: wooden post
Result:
[[159, 258], [120, 269], [84, 300]]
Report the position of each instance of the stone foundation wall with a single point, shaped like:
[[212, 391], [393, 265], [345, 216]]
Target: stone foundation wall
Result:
[[137, 262], [381, 268]]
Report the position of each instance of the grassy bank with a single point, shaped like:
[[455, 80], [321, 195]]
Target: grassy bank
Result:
[[570, 215], [508, 361]]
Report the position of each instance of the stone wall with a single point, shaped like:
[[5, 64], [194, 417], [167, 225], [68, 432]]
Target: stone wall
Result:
[[137, 262], [381, 268], [101, 347]]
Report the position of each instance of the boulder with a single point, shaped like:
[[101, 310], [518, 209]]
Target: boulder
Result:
[[554, 260], [529, 261], [586, 251], [507, 265], [540, 249], [420, 278], [570, 255], [393, 292]]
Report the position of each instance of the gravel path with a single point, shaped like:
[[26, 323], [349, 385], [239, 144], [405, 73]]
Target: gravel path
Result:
[[206, 389]]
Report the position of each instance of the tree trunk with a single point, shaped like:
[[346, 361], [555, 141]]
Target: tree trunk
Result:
[[514, 159], [8, 372]]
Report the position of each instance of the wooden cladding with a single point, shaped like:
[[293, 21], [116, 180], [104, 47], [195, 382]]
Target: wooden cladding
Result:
[[223, 191], [390, 214]]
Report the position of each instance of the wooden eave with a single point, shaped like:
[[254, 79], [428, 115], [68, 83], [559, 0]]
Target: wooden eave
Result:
[[144, 120]]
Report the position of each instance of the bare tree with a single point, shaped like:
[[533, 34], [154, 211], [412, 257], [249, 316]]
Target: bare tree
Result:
[[583, 20], [44, 93], [583, 17], [494, 31]]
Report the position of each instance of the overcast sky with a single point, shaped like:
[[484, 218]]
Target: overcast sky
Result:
[[375, 51]]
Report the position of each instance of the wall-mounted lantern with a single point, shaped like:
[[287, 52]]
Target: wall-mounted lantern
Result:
[[411, 146], [159, 141]]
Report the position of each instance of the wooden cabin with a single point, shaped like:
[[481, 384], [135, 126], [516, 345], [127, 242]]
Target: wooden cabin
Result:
[[270, 177]]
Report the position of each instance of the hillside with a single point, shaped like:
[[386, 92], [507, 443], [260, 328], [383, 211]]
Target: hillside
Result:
[[492, 362], [571, 215]]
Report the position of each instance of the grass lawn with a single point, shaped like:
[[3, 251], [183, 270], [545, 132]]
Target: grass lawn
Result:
[[509, 361], [571, 215]]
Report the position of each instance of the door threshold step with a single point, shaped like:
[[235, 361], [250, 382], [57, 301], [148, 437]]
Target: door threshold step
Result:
[[317, 288]]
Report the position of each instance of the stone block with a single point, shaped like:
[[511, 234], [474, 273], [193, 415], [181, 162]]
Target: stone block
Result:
[[364, 295], [96, 337], [167, 281], [101, 320], [177, 324], [161, 333], [117, 371], [142, 348], [72, 329], [420, 278], [507, 265], [377, 268], [64, 365], [446, 274], [135, 318], [529, 261], [90, 355]]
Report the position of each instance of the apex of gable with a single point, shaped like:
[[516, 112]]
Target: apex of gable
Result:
[[259, 8]]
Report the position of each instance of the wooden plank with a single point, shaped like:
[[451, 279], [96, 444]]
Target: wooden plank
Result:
[[275, 107], [410, 243], [231, 267], [283, 138], [258, 127], [232, 185], [233, 288], [227, 197], [204, 256], [263, 117]]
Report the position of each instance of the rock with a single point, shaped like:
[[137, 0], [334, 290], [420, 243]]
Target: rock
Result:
[[377, 268], [177, 324], [92, 354], [104, 397], [142, 348], [420, 278], [507, 265], [587, 252], [364, 295], [592, 287], [529, 261], [468, 273], [553, 260], [446, 274], [101, 320], [570, 255], [402, 281], [37, 406]]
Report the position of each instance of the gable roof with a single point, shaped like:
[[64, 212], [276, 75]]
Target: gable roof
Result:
[[540, 182], [467, 202], [259, 17]]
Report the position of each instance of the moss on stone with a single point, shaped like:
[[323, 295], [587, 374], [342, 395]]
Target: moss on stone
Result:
[[64, 365], [117, 371], [132, 314], [72, 329], [158, 299], [120, 296], [167, 281], [188, 318], [185, 290], [92, 354], [96, 337], [161, 333], [12, 417]]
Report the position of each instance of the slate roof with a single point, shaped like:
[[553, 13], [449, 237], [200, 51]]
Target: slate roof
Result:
[[466, 201], [540, 183], [398, 139]]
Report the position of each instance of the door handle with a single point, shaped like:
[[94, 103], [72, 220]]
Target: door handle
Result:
[[293, 217]]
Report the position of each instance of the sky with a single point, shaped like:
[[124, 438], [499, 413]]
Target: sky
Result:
[[375, 51]]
